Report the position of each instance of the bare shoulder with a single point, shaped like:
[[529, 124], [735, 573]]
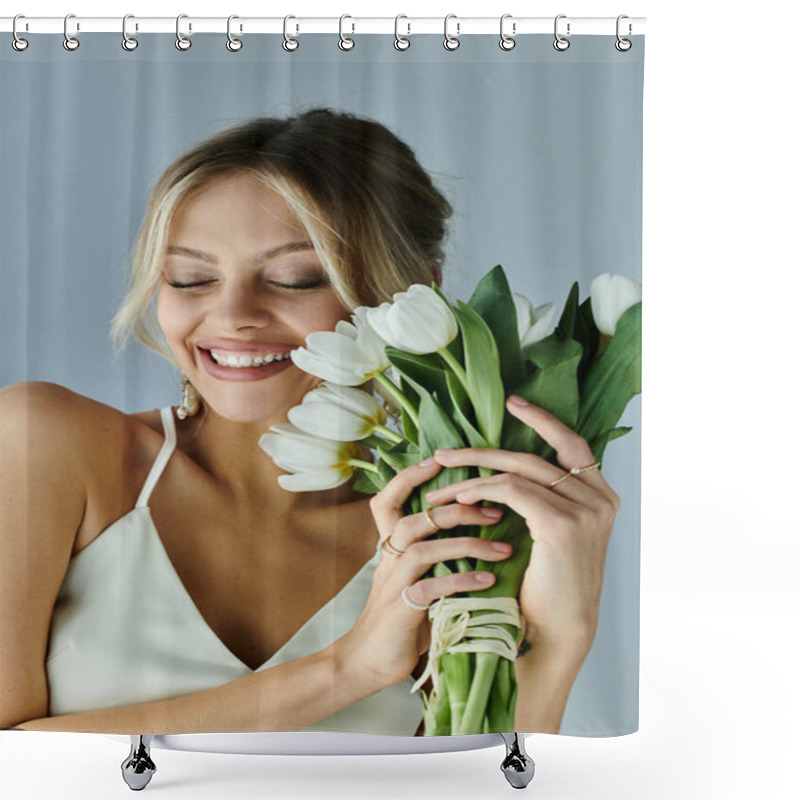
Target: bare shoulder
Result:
[[97, 444]]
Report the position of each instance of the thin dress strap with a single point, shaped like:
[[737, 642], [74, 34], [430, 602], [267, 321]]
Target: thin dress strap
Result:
[[168, 423]]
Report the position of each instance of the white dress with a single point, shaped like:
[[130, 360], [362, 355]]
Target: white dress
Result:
[[125, 630]]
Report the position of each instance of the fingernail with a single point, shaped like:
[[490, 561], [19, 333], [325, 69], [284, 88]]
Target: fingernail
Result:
[[490, 512], [426, 463], [501, 547], [517, 400], [484, 577]]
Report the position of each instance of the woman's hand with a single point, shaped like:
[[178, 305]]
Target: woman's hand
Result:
[[570, 524], [389, 636]]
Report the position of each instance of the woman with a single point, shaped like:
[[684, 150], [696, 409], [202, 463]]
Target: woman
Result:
[[156, 579]]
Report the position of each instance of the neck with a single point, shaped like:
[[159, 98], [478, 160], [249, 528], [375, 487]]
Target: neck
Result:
[[228, 451]]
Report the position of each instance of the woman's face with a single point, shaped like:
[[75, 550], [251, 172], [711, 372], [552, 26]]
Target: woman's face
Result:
[[242, 283]]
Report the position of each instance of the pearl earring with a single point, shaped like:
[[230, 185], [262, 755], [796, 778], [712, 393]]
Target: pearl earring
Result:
[[190, 402]]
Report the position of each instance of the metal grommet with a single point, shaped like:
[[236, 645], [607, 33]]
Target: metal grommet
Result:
[[451, 42], [560, 43], [506, 42], [289, 44], [18, 43], [70, 42], [345, 43], [400, 42], [181, 42], [128, 42], [623, 45], [233, 44]]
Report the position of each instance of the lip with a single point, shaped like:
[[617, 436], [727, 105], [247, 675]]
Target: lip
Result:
[[245, 347], [241, 373]]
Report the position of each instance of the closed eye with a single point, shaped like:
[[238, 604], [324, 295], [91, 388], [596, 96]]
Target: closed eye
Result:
[[311, 285]]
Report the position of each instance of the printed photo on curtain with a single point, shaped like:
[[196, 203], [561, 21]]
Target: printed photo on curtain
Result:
[[320, 377]]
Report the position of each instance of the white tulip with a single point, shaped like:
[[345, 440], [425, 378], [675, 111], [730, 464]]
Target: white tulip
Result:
[[349, 355], [338, 412], [532, 323], [418, 321], [317, 464], [611, 296]]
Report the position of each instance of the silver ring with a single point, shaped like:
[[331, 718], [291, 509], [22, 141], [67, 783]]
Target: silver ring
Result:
[[451, 42], [506, 42], [623, 45], [70, 42], [400, 42], [128, 42], [233, 44], [560, 43], [411, 603], [181, 42], [345, 43], [19, 44], [290, 44]]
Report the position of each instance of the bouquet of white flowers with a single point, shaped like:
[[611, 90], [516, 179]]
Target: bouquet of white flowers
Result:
[[444, 373]]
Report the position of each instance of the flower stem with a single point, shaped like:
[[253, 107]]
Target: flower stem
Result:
[[454, 364], [399, 396], [357, 462], [388, 433]]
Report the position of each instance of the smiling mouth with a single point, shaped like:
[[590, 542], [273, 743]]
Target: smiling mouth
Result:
[[242, 360]]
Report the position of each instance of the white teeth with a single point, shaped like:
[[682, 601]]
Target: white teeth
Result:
[[233, 360]]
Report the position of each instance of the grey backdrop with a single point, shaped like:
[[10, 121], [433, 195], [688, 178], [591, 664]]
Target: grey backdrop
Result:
[[539, 152]]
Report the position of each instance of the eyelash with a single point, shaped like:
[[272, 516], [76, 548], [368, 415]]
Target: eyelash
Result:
[[298, 286]]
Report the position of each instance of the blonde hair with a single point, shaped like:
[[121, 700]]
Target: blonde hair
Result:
[[371, 211]]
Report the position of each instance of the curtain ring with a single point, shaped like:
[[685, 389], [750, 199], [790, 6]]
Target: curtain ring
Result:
[[128, 42], [400, 42], [289, 43], [623, 45], [70, 42], [18, 43], [233, 44], [506, 42], [345, 43], [181, 42], [451, 42], [560, 43]]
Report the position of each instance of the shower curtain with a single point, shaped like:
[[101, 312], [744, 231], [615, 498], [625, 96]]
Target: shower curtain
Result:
[[538, 151]]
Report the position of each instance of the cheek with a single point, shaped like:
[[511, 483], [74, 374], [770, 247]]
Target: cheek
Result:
[[173, 316]]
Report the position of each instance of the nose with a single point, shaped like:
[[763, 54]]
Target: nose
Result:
[[241, 305]]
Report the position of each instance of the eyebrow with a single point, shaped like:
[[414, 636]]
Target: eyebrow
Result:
[[267, 255]]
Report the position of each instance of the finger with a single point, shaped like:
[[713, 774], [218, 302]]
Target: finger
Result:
[[426, 591], [417, 527], [526, 465], [571, 448], [506, 482], [420, 557], [539, 507], [387, 504]]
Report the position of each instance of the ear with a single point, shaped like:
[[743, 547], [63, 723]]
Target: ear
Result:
[[437, 271]]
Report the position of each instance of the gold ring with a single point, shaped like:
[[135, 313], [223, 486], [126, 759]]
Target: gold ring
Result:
[[390, 549], [574, 471], [430, 519]]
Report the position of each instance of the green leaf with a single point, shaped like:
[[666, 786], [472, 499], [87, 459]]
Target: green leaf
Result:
[[420, 371], [459, 399], [614, 378], [587, 335], [484, 384], [554, 385], [492, 300], [436, 429], [367, 482], [598, 444], [566, 325]]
